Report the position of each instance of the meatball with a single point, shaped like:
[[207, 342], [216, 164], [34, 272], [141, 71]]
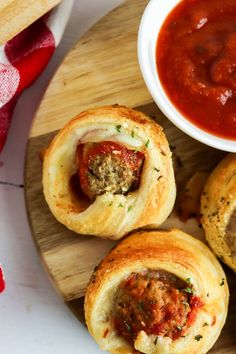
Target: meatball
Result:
[[156, 302], [108, 167], [110, 174]]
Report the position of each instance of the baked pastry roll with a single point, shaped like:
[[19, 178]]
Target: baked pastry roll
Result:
[[218, 210], [109, 171], [157, 292]]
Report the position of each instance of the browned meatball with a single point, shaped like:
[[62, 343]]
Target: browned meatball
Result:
[[110, 174], [108, 167], [158, 303]]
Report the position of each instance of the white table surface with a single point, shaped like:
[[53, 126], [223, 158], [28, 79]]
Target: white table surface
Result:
[[33, 318]]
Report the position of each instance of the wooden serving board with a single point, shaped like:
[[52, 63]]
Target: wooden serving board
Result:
[[103, 69], [16, 15]]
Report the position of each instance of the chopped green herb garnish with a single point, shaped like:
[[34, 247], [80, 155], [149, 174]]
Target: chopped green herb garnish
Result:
[[130, 208], [198, 337], [188, 290], [141, 305], [208, 294], [156, 169], [110, 204], [222, 282], [118, 127], [188, 280], [128, 326], [132, 134], [205, 324], [147, 143], [120, 206]]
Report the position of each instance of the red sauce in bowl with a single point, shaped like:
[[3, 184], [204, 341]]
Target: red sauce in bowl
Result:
[[196, 63]]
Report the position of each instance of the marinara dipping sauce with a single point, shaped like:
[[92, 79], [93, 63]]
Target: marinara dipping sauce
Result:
[[196, 63]]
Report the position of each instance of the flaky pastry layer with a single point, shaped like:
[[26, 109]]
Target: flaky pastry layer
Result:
[[110, 215], [171, 251], [218, 208]]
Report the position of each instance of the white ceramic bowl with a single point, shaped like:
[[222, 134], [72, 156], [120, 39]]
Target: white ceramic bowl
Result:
[[151, 23]]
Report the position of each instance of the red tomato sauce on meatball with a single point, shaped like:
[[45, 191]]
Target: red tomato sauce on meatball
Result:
[[196, 63], [156, 302], [108, 167]]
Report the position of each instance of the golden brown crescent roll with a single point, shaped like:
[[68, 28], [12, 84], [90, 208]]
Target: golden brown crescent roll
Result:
[[109, 171], [157, 292], [218, 210]]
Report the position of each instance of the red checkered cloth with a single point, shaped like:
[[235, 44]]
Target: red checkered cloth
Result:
[[24, 57]]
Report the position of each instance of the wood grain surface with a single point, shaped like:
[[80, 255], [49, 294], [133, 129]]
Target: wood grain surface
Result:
[[16, 15], [103, 69]]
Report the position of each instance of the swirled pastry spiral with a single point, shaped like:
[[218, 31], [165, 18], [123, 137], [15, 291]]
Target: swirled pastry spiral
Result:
[[157, 292], [109, 171], [218, 210]]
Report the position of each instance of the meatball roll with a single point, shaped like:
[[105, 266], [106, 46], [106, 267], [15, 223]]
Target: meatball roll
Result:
[[157, 292], [109, 171], [218, 210]]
